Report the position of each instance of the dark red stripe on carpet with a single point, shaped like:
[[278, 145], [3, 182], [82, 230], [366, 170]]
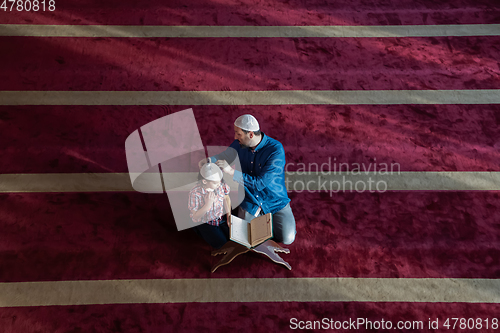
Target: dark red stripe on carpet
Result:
[[241, 317], [294, 12], [93, 236], [159, 64], [74, 139]]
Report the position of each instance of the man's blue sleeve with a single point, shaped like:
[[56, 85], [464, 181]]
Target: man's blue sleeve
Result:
[[229, 154], [273, 168]]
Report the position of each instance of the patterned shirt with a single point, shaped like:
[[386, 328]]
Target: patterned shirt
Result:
[[197, 201]]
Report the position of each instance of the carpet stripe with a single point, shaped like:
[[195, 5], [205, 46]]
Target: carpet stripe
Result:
[[249, 290], [248, 31], [279, 97], [402, 181]]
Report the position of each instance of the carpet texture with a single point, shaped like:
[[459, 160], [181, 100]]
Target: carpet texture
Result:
[[95, 236], [251, 317], [72, 139], [172, 64]]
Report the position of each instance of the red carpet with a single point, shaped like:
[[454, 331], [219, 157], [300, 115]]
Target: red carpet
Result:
[[73, 139], [251, 317], [95, 236], [160, 64]]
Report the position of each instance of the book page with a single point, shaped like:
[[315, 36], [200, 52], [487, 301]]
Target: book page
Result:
[[240, 231], [261, 229]]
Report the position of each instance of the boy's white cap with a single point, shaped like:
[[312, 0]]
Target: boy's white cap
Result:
[[247, 122], [210, 171]]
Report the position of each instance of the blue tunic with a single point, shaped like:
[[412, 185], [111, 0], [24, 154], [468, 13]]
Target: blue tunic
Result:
[[262, 174]]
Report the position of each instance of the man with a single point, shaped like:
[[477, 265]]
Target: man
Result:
[[262, 174]]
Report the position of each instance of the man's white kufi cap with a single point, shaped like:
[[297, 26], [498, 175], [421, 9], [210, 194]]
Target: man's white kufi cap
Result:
[[210, 171], [247, 122]]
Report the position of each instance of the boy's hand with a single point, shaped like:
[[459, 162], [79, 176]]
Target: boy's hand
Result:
[[210, 198]]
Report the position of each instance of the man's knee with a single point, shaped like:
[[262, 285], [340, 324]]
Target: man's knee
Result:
[[285, 234], [289, 237], [285, 223]]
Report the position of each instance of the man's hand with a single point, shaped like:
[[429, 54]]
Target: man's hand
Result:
[[225, 167], [202, 162]]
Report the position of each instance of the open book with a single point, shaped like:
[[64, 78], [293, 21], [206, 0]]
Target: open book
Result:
[[251, 233]]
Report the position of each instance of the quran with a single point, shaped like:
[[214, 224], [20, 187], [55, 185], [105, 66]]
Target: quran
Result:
[[253, 233]]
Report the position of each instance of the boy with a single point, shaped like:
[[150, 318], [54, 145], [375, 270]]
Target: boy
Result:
[[206, 204]]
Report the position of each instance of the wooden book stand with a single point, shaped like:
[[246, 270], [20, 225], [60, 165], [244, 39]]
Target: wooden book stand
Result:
[[231, 249]]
